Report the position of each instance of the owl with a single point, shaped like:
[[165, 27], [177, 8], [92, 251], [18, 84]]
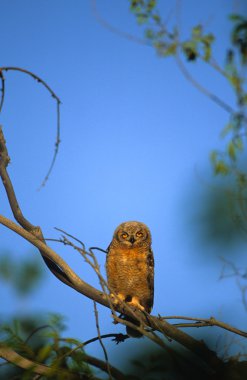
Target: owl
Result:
[[130, 266]]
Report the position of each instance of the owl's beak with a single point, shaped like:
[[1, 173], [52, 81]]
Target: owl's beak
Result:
[[132, 239]]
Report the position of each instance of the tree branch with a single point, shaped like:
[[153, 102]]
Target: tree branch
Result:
[[100, 340], [62, 271], [205, 322], [104, 367], [41, 369], [58, 101]]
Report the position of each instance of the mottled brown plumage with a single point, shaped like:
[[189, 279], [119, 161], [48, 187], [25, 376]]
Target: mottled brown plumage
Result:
[[130, 265]]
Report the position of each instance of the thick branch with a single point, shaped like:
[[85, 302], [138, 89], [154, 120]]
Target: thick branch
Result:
[[14, 358], [41, 369], [104, 367]]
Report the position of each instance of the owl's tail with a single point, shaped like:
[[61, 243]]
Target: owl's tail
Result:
[[132, 332]]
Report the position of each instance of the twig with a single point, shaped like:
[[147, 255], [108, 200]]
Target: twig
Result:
[[2, 89], [100, 340], [204, 322], [114, 30], [37, 330], [202, 89], [118, 338], [239, 275], [98, 249], [58, 141], [151, 335], [73, 237]]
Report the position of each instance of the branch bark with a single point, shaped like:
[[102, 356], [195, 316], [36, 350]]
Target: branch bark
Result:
[[40, 369]]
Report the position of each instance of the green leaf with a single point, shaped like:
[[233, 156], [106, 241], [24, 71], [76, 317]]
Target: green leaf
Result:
[[151, 5], [43, 353], [190, 50], [228, 128], [221, 168], [160, 47], [149, 33], [231, 151], [206, 52], [170, 50], [156, 18], [236, 17], [207, 42], [197, 32], [142, 18], [72, 341], [236, 81]]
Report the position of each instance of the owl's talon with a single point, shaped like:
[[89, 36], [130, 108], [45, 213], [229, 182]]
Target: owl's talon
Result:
[[116, 299], [136, 303]]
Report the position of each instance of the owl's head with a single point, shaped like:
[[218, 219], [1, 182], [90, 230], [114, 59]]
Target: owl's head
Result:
[[133, 234]]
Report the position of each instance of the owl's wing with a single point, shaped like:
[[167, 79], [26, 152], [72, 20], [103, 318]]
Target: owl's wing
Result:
[[150, 263]]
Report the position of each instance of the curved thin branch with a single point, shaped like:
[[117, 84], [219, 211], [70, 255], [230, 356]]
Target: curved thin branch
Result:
[[114, 30], [118, 338], [202, 89], [58, 140], [34, 76], [2, 89], [53, 94], [179, 62]]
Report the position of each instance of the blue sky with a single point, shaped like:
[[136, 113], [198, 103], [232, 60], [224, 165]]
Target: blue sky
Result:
[[136, 138]]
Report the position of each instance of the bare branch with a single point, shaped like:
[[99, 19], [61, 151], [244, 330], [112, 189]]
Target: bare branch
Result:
[[114, 30], [239, 276], [2, 90], [100, 340], [202, 89], [58, 102], [204, 322], [103, 366]]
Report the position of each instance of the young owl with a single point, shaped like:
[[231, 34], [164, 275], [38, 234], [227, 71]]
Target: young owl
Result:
[[130, 265]]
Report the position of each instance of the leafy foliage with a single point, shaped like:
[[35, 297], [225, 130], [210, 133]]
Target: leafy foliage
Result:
[[40, 341], [199, 46]]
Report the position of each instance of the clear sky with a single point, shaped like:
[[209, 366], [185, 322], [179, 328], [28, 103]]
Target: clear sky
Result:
[[136, 138]]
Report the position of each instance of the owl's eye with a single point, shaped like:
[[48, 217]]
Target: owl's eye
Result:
[[124, 235], [139, 234]]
